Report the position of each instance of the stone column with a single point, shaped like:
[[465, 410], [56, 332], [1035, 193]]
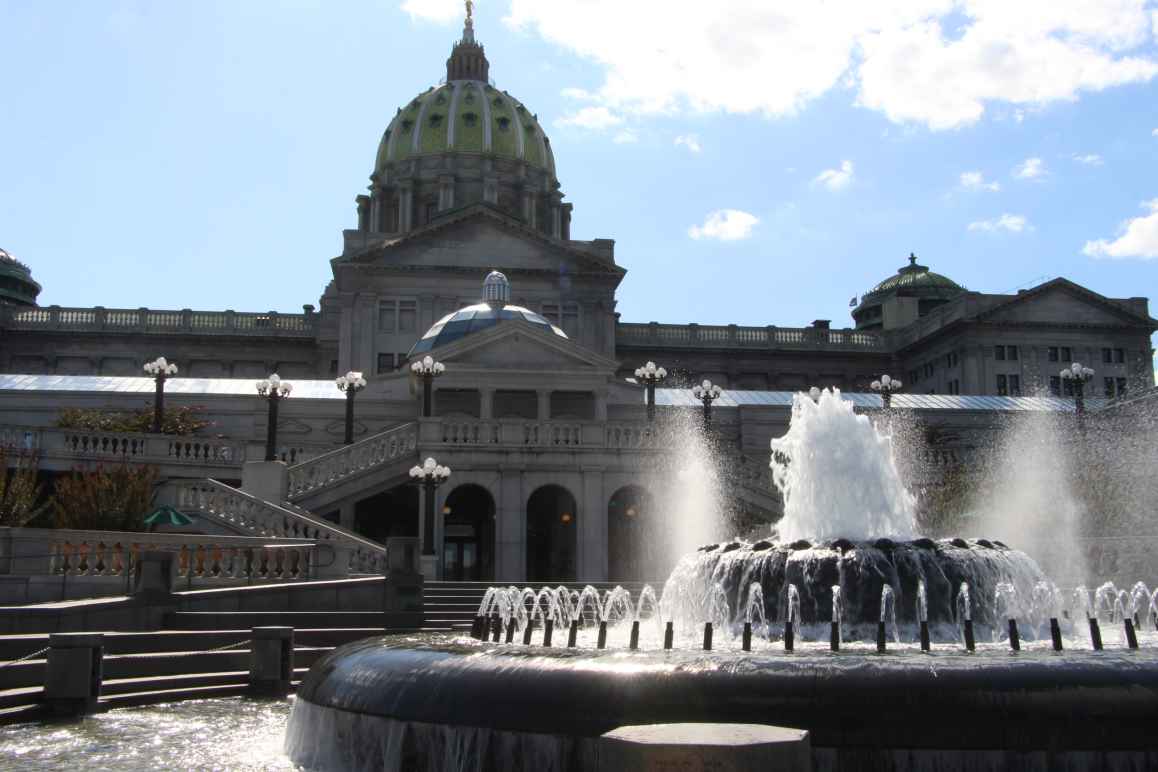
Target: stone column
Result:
[[405, 206], [445, 192], [544, 412], [511, 527], [486, 404], [591, 544]]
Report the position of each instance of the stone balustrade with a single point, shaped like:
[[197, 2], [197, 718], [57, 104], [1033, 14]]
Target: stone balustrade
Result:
[[242, 512], [378, 450], [140, 448], [737, 337], [544, 435], [200, 558], [146, 320]]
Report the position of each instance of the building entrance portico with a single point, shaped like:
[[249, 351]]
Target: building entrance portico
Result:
[[468, 534]]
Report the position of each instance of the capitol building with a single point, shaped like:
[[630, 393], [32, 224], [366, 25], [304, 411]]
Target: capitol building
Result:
[[538, 413]]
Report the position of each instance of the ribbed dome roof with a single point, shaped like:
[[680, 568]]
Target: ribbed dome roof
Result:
[[476, 318], [466, 116], [16, 283], [915, 277]]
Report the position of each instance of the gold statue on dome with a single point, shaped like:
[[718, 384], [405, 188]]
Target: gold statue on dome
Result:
[[469, 10]]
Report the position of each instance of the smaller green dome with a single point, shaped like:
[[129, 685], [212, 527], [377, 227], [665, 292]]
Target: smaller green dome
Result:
[[17, 286], [914, 276], [911, 281]]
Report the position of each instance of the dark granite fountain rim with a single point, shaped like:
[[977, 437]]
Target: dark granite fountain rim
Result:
[[845, 545], [1029, 700]]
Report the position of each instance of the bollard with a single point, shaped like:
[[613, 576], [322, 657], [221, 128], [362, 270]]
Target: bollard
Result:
[[1095, 634], [511, 631], [834, 637], [1055, 634], [602, 642], [484, 628], [573, 634], [970, 644], [881, 646], [707, 636], [634, 642], [271, 661], [668, 636], [924, 635], [789, 635], [496, 628], [72, 683], [746, 641], [1014, 637], [476, 627], [548, 628], [527, 632], [1131, 637]]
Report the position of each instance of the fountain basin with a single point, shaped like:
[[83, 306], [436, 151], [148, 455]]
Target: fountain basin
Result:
[[407, 702]]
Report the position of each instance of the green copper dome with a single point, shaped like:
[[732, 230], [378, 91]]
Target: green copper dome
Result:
[[912, 281], [914, 276], [466, 116], [17, 286]]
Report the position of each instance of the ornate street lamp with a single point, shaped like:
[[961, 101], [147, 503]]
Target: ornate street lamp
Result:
[[1079, 375], [650, 375], [429, 475], [707, 392], [350, 383], [273, 389], [160, 368], [427, 369], [886, 386]]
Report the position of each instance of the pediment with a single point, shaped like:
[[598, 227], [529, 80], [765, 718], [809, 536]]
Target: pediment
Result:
[[1062, 302], [476, 240], [519, 347]]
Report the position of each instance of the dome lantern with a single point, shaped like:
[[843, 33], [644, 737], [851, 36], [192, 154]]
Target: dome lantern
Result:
[[496, 289]]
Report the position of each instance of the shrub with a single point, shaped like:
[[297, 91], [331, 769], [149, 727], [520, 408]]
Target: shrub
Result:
[[102, 498], [182, 420], [21, 493]]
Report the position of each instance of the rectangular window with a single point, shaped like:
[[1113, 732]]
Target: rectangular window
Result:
[[387, 316], [333, 367], [1067, 356], [385, 363], [1015, 385], [1109, 386], [1119, 355], [1107, 356], [1052, 353], [1055, 385], [1011, 353], [407, 315], [999, 353], [1122, 387], [1002, 386]]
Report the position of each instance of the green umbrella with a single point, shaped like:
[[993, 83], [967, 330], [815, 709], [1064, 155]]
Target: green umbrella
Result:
[[166, 515]]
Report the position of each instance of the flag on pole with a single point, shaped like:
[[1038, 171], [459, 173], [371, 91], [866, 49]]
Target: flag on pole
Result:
[[852, 303]]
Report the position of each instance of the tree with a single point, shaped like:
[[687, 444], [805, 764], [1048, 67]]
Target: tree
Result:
[[104, 499], [21, 494]]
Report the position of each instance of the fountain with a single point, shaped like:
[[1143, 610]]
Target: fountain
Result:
[[843, 568]]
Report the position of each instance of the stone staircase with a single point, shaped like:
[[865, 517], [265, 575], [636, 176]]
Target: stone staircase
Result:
[[323, 481]]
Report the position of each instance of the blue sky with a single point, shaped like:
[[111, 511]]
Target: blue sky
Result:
[[756, 162]]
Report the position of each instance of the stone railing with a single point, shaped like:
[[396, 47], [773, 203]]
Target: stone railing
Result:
[[468, 432], [733, 336], [630, 436], [377, 450], [116, 446], [145, 320], [249, 514], [522, 433], [71, 553]]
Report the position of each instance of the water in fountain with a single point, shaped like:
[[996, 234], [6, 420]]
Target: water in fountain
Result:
[[889, 611], [1005, 607], [922, 603], [754, 611], [964, 607], [837, 612]]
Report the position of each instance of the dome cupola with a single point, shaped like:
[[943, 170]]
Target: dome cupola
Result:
[[17, 287], [919, 289]]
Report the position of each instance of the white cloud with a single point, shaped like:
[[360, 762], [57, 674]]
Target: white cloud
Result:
[[941, 63], [580, 94], [836, 179], [1013, 223], [725, 225], [1089, 159], [976, 181], [1138, 239], [625, 137], [1154, 133], [594, 118], [690, 141], [1029, 169], [438, 11]]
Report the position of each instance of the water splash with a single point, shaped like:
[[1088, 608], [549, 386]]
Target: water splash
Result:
[[754, 611], [793, 614], [922, 602], [889, 610], [837, 612], [827, 442]]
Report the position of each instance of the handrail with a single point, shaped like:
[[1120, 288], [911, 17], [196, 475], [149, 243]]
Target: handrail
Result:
[[245, 512], [369, 453]]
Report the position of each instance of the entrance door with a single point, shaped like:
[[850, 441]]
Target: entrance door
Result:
[[460, 550], [468, 535]]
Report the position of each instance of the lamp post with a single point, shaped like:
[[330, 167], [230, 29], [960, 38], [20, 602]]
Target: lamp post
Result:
[[427, 369], [886, 386], [707, 392], [273, 389], [650, 375], [1079, 375], [350, 383], [160, 369], [429, 475]]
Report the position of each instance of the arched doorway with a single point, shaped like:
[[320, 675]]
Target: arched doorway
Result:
[[551, 526], [631, 537], [389, 513], [468, 534]]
